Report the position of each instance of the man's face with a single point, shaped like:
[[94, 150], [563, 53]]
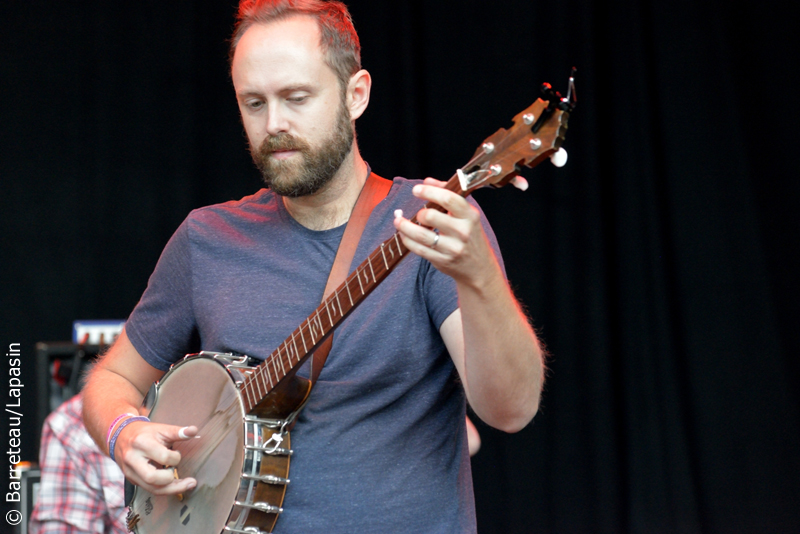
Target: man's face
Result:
[[293, 109], [315, 166]]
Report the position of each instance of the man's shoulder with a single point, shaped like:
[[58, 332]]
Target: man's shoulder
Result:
[[247, 212], [262, 201], [401, 189], [401, 183]]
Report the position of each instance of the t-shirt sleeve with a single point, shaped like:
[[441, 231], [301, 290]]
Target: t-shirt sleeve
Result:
[[162, 324], [441, 297]]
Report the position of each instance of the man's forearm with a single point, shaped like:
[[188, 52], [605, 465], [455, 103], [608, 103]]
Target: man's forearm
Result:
[[116, 385], [503, 362], [106, 396]]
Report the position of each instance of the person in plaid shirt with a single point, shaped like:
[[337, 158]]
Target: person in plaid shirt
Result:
[[82, 489]]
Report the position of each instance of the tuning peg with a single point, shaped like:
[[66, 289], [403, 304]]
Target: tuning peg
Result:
[[520, 183], [569, 102], [559, 158]]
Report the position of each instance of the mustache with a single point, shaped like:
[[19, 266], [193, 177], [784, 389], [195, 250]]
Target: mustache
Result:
[[282, 141]]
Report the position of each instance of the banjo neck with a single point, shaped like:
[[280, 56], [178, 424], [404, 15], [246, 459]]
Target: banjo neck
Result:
[[307, 337]]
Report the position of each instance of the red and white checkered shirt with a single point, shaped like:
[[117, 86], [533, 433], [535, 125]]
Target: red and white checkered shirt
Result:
[[81, 489]]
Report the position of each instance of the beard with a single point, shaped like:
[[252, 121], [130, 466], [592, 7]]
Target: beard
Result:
[[316, 165]]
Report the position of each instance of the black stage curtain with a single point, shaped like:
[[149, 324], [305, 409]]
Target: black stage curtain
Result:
[[660, 265]]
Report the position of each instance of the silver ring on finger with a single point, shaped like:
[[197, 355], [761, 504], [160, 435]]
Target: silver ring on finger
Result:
[[435, 240]]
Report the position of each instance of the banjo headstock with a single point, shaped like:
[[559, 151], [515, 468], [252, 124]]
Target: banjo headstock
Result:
[[536, 134]]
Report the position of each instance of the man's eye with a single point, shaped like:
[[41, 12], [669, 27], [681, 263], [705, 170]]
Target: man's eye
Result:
[[297, 99], [256, 104]]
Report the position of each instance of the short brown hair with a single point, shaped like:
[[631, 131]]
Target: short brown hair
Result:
[[338, 38]]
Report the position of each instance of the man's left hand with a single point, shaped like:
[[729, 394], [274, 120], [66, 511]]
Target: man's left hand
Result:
[[454, 242]]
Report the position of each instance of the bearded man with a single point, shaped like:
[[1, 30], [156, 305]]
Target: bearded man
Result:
[[381, 444]]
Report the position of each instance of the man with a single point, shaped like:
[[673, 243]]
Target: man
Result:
[[381, 444], [81, 489]]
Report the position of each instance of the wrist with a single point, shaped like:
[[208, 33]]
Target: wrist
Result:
[[114, 424], [484, 282], [113, 442]]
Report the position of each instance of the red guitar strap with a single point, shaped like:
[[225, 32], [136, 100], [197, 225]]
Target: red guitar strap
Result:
[[375, 189]]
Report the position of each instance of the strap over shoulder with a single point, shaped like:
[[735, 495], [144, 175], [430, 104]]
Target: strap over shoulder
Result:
[[375, 189]]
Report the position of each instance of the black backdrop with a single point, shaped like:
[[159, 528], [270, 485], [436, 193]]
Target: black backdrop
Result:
[[659, 265]]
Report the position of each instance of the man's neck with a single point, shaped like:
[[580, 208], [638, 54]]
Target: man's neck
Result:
[[331, 206]]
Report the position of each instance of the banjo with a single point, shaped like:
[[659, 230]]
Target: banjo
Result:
[[244, 411]]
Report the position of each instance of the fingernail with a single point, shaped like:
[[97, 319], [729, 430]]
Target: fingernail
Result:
[[182, 433], [417, 189], [398, 214], [191, 484]]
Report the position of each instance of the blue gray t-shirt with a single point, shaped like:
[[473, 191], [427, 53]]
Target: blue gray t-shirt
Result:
[[381, 444]]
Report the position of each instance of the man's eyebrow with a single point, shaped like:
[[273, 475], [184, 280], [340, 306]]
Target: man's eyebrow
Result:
[[245, 94], [297, 87], [285, 90]]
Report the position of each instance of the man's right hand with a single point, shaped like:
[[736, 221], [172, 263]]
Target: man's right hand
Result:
[[144, 453]]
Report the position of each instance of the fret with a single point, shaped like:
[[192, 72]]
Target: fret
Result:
[[341, 312], [314, 326], [263, 383], [372, 271], [294, 343], [384, 258], [365, 280], [283, 369], [319, 323], [261, 376], [274, 367], [253, 380], [303, 339], [247, 392], [269, 377], [311, 332], [347, 287], [265, 370], [397, 241], [285, 350], [359, 281], [327, 309], [259, 389], [278, 354], [290, 349]]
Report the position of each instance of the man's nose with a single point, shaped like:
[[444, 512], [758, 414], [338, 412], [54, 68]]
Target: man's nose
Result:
[[276, 119]]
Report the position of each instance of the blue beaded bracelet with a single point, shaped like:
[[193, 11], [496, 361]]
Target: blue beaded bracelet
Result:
[[122, 425]]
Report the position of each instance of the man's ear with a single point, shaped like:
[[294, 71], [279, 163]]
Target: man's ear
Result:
[[358, 89]]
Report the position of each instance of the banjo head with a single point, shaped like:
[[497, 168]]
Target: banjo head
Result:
[[198, 391]]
